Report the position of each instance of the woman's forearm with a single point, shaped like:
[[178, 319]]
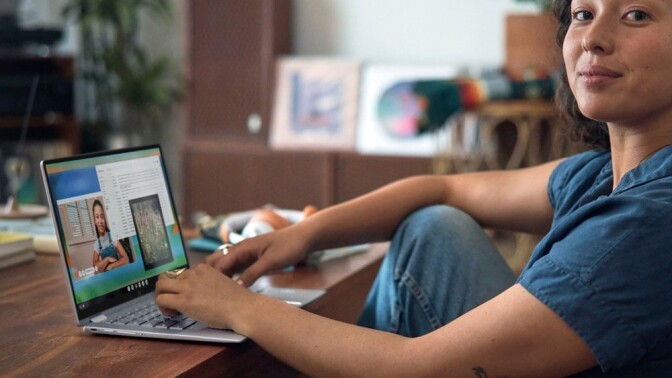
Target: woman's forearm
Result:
[[321, 347], [515, 200], [374, 216]]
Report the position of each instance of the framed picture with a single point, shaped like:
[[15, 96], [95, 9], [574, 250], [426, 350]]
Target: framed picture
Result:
[[388, 110], [316, 102]]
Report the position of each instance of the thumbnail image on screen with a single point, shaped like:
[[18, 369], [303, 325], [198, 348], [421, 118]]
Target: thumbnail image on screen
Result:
[[151, 231]]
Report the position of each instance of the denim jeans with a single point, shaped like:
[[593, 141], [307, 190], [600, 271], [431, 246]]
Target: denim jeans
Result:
[[440, 265]]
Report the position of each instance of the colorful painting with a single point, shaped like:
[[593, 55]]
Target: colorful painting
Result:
[[389, 110]]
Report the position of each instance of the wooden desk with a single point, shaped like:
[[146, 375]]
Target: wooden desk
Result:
[[40, 338]]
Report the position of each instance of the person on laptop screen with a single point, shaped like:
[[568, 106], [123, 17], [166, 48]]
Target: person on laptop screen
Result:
[[595, 299], [108, 253]]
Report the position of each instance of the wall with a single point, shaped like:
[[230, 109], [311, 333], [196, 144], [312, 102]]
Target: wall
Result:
[[419, 31], [414, 31]]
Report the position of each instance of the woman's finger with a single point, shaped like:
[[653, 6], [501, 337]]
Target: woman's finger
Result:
[[254, 271], [168, 303], [168, 285], [237, 258]]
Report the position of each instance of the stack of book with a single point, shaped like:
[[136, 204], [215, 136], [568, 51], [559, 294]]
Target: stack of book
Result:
[[15, 248], [42, 230]]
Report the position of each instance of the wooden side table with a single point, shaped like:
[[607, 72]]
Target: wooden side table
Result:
[[475, 137], [477, 142], [534, 121]]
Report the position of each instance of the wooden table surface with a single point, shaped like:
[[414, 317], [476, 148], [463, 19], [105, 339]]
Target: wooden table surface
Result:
[[39, 336]]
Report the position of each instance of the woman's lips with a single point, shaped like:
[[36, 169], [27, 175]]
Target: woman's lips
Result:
[[595, 75]]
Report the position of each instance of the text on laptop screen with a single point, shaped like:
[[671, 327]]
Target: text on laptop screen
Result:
[[116, 221]]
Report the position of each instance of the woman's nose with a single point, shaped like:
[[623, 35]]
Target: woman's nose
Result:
[[598, 37]]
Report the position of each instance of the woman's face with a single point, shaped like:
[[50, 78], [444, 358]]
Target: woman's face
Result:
[[99, 219], [618, 55]]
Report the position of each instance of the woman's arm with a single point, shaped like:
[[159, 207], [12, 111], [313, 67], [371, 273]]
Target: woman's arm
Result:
[[516, 200], [513, 199], [513, 334]]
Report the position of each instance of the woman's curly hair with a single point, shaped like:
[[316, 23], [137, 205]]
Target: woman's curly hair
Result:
[[582, 128]]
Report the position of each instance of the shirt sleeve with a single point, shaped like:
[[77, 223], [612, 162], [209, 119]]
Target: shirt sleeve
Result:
[[606, 273]]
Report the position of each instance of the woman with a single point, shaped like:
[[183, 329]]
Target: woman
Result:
[[595, 298], [107, 254]]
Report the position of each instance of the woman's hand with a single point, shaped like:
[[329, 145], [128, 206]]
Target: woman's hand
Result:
[[203, 294], [260, 255]]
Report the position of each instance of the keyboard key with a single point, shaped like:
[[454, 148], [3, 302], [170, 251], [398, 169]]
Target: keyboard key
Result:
[[184, 324]]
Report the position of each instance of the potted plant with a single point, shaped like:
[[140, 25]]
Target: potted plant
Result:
[[126, 92], [531, 49]]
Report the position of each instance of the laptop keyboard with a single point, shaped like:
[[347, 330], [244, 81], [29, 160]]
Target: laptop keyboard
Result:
[[148, 315]]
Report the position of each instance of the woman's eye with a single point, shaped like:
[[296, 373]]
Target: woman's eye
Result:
[[582, 15], [636, 15]]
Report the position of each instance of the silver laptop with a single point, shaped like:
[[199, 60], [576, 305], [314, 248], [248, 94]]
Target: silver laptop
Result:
[[118, 230]]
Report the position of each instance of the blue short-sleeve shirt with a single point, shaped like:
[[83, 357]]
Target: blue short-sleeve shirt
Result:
[[605, 267]]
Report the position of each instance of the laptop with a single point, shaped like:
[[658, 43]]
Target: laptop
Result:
[[118, 230]]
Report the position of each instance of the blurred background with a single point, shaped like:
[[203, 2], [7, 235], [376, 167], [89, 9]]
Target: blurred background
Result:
[[199, 77]]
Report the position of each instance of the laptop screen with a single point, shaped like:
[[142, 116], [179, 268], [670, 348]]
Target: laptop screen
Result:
[[116, 223]]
